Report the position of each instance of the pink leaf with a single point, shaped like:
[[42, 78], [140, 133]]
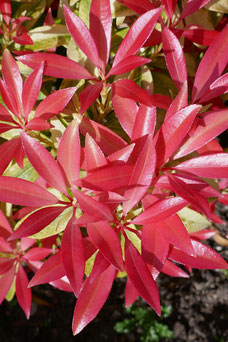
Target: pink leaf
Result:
[[173, 131], [121, 156], [69, 152], [210, 126], [137, 35], [97, 210], [125, 110], [101, 29], [82, 36], [203, 234], [51, 270], [55, 102], [128, 64], [173, 270], [209, 166], [174, 57], [23, 293], [56, 65], [107, 241], [141, 277], [22, 192], [89, 95], [73, 255], [211, 65], [144, 122], [31, 89], [142, 175], [6, 264], [37, 253], [92, 298], [108, 178], [5, 247], [43, 162], [108, 141], [161, 210], [36, 221], [94, 157], [8, 97]]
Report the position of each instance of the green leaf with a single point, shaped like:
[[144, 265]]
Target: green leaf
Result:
[[84, 11], [28, 173], [11, 292], [192, 220]]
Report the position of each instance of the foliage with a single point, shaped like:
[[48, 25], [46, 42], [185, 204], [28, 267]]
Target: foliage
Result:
[[145, 321], [110, 163]]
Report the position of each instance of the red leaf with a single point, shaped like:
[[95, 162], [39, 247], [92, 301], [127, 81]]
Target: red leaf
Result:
[[173, 131], [206, 257], [174, 57], [155, 247], [161, 210], [51, 270], [99, 266], [7, 151], [89, 95], [137, 35], [144, 122], [180, 101], [142, 175], [73, 255], [212, 64], [128, 89], [21, 192], [97, 210], [55, 102], [192, 6], [23, 293], [209, 166], [108, 178], [43, 162], [37, 253], [8, 97], [139, 6], [92, 298], [199, 35], [5, 247], [107, 241], [69, 152], [38, 124], [101, 29], [6, 264], [108, 141], [36, 221], [94, 157], [191, 195], [121, 156], [203, 234], [170, 6], [13, 79], [5, 9], [31, 89], [82, 36], [125, 110], [173, 270], [6, 282], [217, 88], [56, 65], [210, 126], [131, 294], [141, 277], [127, 64]]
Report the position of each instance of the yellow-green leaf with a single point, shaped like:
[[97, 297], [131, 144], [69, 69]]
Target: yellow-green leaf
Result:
[[192, 220]]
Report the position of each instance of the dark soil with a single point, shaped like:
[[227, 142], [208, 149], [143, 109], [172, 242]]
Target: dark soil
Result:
[[200, 310]]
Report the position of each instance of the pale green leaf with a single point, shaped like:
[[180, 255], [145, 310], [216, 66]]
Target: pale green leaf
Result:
[[192, 220], [28, 173]]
